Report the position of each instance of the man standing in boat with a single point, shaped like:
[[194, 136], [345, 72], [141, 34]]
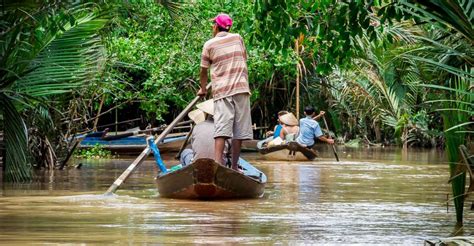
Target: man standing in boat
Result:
[[310, 129], [226, 56]]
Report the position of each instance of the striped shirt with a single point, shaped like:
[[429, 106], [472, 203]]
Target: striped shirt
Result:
[[227, 57]]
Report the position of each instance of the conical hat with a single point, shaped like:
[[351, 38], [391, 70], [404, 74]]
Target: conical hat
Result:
[[289, 119], [207, 106], [197, 116]]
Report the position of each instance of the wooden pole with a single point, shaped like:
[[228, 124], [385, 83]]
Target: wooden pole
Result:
[[297, 83], [116, 121], [69, 154], [183, 146], [98, 113], [146, 151], [298, 95], [332, 145]]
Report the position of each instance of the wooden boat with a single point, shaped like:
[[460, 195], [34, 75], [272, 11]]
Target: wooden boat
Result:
[[206, 179], [249, 146], [132, 144], [291, 151]]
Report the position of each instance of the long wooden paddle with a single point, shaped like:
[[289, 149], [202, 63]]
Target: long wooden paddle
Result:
[[184, 143], [147, 150], [333, 147]]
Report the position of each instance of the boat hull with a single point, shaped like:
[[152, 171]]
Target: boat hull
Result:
[[132, 145], [249, 146], [288, 152], [205, 179]]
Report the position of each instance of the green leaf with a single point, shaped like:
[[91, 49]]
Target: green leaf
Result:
[[17, 167]]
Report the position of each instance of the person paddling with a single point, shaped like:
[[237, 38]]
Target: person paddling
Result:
[[226, 56], [310, 129]]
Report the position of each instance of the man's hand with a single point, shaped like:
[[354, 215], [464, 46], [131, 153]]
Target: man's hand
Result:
[[321, 114], [330, 141], [269, 133], [202, 92]]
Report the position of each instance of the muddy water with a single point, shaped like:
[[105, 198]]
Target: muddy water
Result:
[[382, 196]]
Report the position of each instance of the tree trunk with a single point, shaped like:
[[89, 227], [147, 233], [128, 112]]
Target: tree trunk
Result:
[[378, 132], [96, 121], [405, 138]]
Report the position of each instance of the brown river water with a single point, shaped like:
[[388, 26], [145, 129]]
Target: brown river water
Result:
[[372, 196]]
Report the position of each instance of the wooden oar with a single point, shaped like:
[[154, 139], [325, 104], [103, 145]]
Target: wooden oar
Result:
[[185, 142], [333, 147], [146, 151]]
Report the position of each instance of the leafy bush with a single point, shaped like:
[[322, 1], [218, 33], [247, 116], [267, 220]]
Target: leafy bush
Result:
[[96, 152]]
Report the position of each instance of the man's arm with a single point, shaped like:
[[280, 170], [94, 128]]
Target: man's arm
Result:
[[243, 48], [327, 140], [203, 80], [205, 64], [321, 113], [319, 134]]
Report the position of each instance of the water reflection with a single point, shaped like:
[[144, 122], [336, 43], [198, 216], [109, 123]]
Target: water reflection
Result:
[[372, 196]]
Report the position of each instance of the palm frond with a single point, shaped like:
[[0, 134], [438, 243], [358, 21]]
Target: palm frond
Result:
[[453, 14], [457, 119], [454, 109], [70, 61], [17, 167], [449, 89], [172, 7], [459, 126], [449, 101], [60, 50], [441, 66]]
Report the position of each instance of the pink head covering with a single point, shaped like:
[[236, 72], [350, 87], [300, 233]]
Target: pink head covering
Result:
[[223, 20]]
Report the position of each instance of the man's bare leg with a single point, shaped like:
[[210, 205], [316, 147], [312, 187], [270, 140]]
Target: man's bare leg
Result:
[[219, 145], [236, 144]]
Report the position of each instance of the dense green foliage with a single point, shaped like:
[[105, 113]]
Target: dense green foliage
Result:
[[158, 55]]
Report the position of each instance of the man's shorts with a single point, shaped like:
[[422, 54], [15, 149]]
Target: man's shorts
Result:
[[232, 117]]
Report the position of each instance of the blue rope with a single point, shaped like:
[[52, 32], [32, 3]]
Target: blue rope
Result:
[[156, 154]]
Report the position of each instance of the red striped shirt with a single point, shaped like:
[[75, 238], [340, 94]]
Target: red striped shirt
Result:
[[225, 54]]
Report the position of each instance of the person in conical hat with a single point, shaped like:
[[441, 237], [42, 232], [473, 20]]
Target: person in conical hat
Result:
[[202, 136], [290, 127], [275, 134], [277, 129], [289, 119], [197, 116], [204, 109]]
